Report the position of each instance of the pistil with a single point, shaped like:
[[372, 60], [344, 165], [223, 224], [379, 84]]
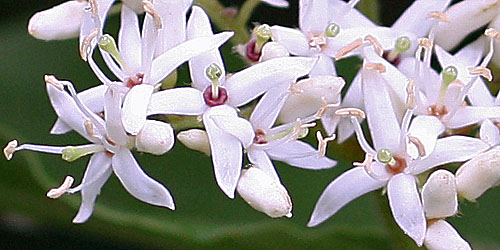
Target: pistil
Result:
[[72, 153], [402, 45]]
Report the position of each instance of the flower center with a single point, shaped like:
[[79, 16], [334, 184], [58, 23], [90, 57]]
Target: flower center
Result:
[[134, 80], [260, 137], [393, 164], [437, 110], [217, 100], [251, 53], [317, 42]]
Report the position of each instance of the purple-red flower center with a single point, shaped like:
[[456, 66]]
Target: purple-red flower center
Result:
[[219, 100]]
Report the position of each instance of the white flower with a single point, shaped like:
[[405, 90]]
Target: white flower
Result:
[[402, 152], [110, 148], [216, 98]]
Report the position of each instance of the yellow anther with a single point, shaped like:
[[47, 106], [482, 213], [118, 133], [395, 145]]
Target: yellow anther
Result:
[[348, 48], [482, 71], [9, 150], [323, 143], [418, 144], [376, 44], [348, 112], [85, 48], [149, 8], [375, 66], [440, 16], [55, 193]]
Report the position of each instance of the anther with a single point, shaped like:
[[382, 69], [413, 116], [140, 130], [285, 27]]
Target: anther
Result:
[[367, 163], [410, 90], [493, 33], [425, 42], [149, 8], [332, 30], [349, 112], [375, 66], [94, 8], [348, 48], [418, 144], [85, 49], [376, 44], [89, 128], [52, 80], [55, 193], [321, 111], [482, 71], [440, 16], [323, 143], [9, 150]]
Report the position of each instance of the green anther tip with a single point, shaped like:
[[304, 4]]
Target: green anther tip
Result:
[[384, 155], [70, 154], [403, 44], [332, 30], [107, 43], [213, 72], [450, 74], [263, 32]]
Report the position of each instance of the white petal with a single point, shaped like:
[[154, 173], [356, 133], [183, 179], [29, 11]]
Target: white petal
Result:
[[129, 39], [439, 195], [173, 14], [96, 174], [489, 133], [347, 17], [155, 138], [415, 20], [479, 94], [171, 59], [467, 115], [315, 18], [246, 85], [177, 101], [470, 57], [300, 154], [199, 26], [347, 187], [261, 161], [233, 125], [277, 3], [112, 112], [134, 107], [272, 50], [406, 207], [137, 183], [479, 174], [57, 23], [149, 42], [442, 236], [352, 99], [293, 39], [426, 129], [227, 153], [449, 149], [324, 66], [269, 106]]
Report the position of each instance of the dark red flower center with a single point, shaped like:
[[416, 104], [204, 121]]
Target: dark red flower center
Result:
[[134, 80], [260, 137], [250, 53], [219, 100], [397, 167]]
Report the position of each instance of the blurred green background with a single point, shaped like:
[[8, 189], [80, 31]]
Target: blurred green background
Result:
[[205, 218]]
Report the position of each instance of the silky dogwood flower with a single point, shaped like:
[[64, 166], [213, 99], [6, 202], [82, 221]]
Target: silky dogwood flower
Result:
[[216, 98], [401, 152], [110, 148], [439, 198]]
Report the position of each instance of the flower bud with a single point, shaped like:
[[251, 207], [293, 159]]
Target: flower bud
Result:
[[58, 23], [442, 236], [273, 50], [195, 139], [263, 193], [439, 195], [479, 174], [155, 138], [308, 96]]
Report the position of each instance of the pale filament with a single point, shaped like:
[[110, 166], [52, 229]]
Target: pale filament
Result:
[[440, 16], [348, 48], [55, 193], [410, 90], [94, 8], [376, 44], [149, 8], [85, 49], [323, 143], [361, 137]]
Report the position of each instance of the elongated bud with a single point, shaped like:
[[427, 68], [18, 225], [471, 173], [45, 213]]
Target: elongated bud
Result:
[[58, 23], [195, 139], [439, 195], [442, 236], [263, 193], [479, 174], [155, 138]]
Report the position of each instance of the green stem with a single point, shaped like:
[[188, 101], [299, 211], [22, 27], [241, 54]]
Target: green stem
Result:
[[397, 238], [246, 11]]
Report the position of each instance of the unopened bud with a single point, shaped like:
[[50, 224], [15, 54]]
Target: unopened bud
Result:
[[263, 193], [441, 235], [195, 139], [479, 174], [155, 138], [439, 195]]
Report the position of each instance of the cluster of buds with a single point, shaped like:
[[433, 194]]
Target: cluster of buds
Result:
[[412, 110]]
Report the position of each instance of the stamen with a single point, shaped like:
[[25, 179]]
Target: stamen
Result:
[[263, 33], [321, 111], [349, 112], [375, 66], [425, 42], [89, 128], [9, 150], [108, 44], [493, 33], [301, 130], [94, 8], [72, 153], [317, 42], [367, 163], [149, 8], [52, 80], [481, 71], [86, 49], [213, 73], [332, 30], [323, 143], [376, 44], [348, 48], [361, 137], [410, 90], [440, 16], [418, 143], [55, 193], [294, 89]]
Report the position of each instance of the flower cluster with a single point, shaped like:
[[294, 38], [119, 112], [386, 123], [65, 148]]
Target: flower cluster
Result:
[[418, 118]]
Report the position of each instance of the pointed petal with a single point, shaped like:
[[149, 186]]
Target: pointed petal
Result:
[[479, 94], [439, 195], [171, 59], [230, 123], [346, 17], [129, 39], [426, 129], [134, 107], [315, 18], [260, 159], [324, 66], [138, 183], [470, 57], [112, 112], [467, 115], [177, 101], [489, 133], [251, 82], [442, 236], [96, 174], [149, 42], [352, 99], [342, 191], [300, 154], [449, 149], [269, 106], [226, 152], [173, 14], [293, 40], [415, 20], [406, 207]]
